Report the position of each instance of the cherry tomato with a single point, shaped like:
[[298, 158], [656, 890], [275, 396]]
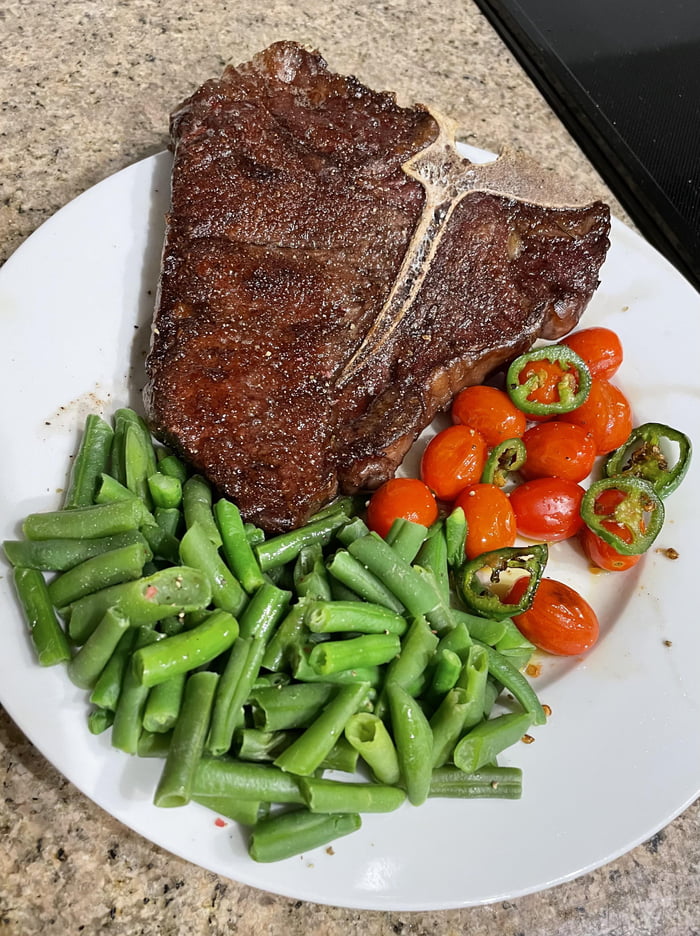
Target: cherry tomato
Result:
[[548, 508], [560, 450], [603, 554], [599, 347], [489, 411], [453, 459], [559, 620], [490, 519], [401, 497], [606, 414]]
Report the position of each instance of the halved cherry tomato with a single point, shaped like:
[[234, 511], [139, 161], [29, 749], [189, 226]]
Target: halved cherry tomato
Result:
[[401, 497], [603, 554], [490, 519], [558, 450], [606, 414], [491, 412], [548, 508], [559, 621], [599, 347], [453, 459]]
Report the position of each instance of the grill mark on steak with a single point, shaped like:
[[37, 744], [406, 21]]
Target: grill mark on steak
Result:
[[298, 347]]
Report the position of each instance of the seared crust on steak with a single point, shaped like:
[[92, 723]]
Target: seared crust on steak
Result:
[[333, 273]]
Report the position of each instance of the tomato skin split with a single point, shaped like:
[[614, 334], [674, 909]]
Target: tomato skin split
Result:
[[401, 497], [559, 620]]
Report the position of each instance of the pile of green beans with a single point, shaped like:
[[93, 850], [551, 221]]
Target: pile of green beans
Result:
[[251, 664]]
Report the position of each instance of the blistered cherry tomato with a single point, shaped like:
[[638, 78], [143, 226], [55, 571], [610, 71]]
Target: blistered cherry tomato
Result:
[[401, 497], [491, 412], [453, 459], [560, 450], [604, 555], [606, 414], [599, 347], [490, 519], [548, 508], [559, 621]]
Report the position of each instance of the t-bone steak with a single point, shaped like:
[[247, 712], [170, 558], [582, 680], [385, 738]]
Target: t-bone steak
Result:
[[334, 272]]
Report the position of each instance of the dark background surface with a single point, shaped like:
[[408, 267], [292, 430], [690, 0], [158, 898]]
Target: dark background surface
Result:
[[624, 77]]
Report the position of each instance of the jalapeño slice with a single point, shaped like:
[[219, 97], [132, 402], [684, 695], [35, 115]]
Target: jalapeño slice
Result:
[[642, 456], [509, 456], [478, 580], [625, 512], [571, 382]]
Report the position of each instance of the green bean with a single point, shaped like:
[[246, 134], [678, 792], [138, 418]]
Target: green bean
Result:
[[123, 419], [60, 555], [456, 536], [110, 491], [331, 617], [168, 592], [474, 679], [368, 734], [185, 651], [168, 519], [482, 744], [247, 812], [336, 796], [163, 544], [173, 467], [100, 720], [110, 568], [139, 461], [271, 680], [187, 743], [154, 743], [109, 684], [197, 507], [165, 491], [304, 671], [310, 576], [433, 557], [86, 522], [487, 783], [254, 744], [351, 573], [48, 638], [398, 576], [237, 550], [447, 724], [293, 706], [85, 667], [440, 616], [90, 461], [457, 641], [480, 628], [340, 592], [333, 656], [227, 777], [511, 679], [164, 704], [406, 537], [351, 530], [264, 611], [342, 756], [286, 546], [287, 634], [199, 552], [291, 833], [445, 672], [308, 751], [128, 714], [417, 649], [223, 720], [414, 742]]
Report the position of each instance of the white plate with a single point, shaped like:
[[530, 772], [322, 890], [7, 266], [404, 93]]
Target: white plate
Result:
[[619, 757]]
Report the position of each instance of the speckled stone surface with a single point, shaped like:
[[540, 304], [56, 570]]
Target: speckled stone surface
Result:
[[85, 89]]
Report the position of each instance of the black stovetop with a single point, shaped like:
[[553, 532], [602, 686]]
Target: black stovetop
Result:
[[624, 77]]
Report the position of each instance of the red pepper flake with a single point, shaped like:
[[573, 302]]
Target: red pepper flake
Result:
[[220, 823], [150, 592]]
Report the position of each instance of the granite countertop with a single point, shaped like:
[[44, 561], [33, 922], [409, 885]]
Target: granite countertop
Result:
[[86, 90]]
